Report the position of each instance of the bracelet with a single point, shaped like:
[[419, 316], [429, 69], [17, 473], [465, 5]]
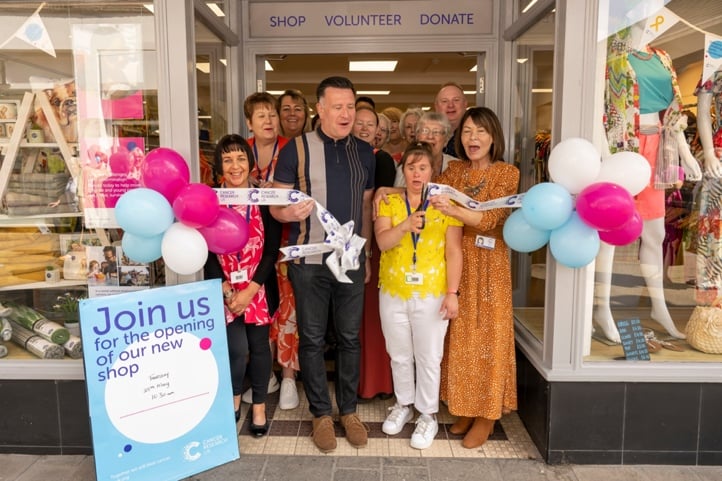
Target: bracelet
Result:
[[368, 254], [456, 293]]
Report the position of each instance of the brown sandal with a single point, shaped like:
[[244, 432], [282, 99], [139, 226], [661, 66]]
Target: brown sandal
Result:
[[653, 346], [671, 346]]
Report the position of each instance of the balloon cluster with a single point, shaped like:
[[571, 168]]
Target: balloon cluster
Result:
[[170, 217], [589, 201]]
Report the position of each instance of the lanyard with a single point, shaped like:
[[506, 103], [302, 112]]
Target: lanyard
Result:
[[414, 237], [248, 217], [270, 164]]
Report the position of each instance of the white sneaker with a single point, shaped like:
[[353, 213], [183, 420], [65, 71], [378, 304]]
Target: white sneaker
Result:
[[273, 386], [396, 419], [289, 394], [425, 432]]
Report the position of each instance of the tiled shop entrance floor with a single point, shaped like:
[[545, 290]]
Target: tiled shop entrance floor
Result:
[[290, 433]]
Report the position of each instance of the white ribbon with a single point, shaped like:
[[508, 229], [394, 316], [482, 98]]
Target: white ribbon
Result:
[[344, 245], [510, 201]]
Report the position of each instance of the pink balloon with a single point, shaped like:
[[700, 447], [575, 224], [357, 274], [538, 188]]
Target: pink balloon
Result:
[[196, 205], [605, 206], [626, 234], [227, 234], [165, 171]]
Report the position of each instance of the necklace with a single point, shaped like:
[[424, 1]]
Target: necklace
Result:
[[472, 190], [643, 55]]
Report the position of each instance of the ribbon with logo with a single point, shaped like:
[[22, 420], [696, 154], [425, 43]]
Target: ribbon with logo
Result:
[[345, 246], [464, 200]]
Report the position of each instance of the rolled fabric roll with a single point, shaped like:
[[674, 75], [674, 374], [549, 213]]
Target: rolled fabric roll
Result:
[[35, 344]]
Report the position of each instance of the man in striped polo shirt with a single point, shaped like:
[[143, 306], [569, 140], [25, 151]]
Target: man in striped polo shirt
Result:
[[337, 170]]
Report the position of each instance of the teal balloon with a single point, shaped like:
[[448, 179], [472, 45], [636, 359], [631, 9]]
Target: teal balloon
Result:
[[547, 206], [522, 237], [143, 212], [142, 249], [574, 244]]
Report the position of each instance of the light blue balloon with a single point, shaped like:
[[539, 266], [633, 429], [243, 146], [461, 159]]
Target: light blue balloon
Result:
[[574, 244], [547, 206], [143, 212], [142, 249], [522, 237]]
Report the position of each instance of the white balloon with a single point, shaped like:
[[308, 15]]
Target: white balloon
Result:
[[628, 169], [184, 249], [574, 163]]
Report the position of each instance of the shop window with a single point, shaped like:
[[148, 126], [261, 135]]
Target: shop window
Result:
[[532, 109], [663, 85], [78, 111]]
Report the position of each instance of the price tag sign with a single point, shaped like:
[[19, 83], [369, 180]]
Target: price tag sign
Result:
[[633, 341]]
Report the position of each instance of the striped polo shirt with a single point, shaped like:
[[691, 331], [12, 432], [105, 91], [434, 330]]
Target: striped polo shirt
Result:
[[335, 173]]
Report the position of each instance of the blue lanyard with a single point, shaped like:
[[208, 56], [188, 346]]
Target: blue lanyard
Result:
[[414, 237], [270, 164]]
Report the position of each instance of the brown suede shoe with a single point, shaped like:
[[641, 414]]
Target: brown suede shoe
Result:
[[356, 431], [323, 436]]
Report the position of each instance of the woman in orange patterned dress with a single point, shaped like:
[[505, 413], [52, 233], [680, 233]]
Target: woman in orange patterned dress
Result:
[[478, 378]]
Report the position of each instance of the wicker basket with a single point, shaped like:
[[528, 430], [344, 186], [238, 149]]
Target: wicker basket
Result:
[[704, 329]]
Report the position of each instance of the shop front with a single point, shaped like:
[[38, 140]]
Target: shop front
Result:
[[103, 78]]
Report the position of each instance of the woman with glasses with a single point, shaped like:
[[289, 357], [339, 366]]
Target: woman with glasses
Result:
[[478, 378], [419, 280], [435, 129]]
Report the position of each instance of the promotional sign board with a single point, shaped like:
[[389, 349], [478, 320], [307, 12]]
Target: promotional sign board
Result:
[[159, 389]]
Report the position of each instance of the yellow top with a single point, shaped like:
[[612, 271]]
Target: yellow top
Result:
[[396, 262]]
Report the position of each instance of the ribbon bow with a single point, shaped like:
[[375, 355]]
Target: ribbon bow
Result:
[[344, 246]]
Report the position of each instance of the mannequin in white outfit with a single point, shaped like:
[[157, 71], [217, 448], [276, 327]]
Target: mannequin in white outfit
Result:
[[651, 244]]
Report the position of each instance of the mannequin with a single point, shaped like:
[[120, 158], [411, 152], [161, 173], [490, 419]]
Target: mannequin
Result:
[[709, 264], [641, 123]]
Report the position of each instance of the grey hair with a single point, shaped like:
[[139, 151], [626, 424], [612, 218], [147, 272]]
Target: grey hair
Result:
[[435, 117]]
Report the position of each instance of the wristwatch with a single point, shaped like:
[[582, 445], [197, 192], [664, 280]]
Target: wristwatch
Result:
[[456, 293]]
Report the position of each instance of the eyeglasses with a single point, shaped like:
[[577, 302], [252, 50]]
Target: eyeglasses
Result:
[[430, 133]]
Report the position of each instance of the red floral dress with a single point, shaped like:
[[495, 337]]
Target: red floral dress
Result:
[[247, 260]]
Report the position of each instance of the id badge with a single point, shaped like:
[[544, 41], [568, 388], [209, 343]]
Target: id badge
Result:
[[484, 242], [414, 278], [239, 276]]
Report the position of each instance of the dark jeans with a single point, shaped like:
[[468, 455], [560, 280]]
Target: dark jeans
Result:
[[249, 341], [315, 287]]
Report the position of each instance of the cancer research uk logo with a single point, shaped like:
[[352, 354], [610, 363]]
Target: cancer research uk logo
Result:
[[294, 196], [253, 196]]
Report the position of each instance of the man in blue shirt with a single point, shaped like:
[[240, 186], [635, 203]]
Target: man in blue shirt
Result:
[[337, 170]]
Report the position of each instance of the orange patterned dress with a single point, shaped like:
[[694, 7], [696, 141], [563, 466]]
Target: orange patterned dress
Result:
[[478, 372]]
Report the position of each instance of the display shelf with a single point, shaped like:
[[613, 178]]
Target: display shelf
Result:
[[34, 220], [45, 285]]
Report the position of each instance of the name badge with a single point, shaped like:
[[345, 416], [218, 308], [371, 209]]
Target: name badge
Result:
[[414, 278], [239, 276], [484, 242]]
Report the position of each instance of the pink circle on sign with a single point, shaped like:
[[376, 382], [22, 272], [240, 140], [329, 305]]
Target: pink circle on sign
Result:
[[206, 343]]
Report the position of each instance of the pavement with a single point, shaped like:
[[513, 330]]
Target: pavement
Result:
[[22, 467]]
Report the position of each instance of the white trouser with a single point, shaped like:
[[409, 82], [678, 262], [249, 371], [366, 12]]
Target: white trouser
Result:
[[414, 332]]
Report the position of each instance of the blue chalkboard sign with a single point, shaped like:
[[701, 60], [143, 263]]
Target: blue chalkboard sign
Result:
[[633, 341]]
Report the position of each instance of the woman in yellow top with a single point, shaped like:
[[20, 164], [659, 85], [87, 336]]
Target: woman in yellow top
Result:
[[419, 275]]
